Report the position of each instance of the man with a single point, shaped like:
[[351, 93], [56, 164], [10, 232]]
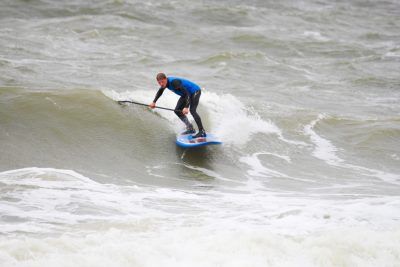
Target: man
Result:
[[189, 93]]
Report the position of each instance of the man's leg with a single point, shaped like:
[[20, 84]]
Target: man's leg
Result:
[[178, 111], [194, 102]]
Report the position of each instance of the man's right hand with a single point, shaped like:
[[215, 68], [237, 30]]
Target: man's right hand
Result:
[[152, 105]]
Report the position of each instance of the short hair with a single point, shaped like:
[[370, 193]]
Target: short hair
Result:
[[161, 76]]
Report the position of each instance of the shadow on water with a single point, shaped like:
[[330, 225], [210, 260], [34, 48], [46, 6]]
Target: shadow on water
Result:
[[208, 166], [198, 156], [200, 163]]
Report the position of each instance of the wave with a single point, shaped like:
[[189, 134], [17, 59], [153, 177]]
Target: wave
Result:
[[361, 132], [223, 114], [87, 131]]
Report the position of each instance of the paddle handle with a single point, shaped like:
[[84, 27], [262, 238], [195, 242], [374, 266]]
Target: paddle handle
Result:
[[146, 105]]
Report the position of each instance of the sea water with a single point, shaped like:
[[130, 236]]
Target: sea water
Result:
[[304, 95]]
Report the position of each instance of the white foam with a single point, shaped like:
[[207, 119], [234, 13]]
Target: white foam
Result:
[[384, 176], [324, 149], [123, 226], [54, 178], [60, 197], [198, 247], [392, 55], [316, 36], [210, 173], [257, 169], [233, 121]]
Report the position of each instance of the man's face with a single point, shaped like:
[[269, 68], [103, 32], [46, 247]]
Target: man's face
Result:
[[162, 82]]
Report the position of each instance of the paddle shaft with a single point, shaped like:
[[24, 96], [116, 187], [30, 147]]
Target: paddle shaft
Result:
[[146, 105]]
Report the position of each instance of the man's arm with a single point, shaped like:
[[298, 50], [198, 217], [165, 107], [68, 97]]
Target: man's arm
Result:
[[159, 93], [179, 87]]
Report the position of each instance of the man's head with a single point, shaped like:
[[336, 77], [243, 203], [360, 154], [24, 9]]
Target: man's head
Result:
[[162, 80]]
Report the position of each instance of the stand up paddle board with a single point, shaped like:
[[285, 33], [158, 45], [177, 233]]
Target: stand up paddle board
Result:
[[187, 140]]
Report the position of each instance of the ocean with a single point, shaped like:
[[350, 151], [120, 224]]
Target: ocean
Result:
[[305, 96]]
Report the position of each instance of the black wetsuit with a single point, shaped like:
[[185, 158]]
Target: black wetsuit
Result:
[[189, 98]]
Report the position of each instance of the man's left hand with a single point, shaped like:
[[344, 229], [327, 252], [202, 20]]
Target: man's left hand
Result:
[[185, 111]]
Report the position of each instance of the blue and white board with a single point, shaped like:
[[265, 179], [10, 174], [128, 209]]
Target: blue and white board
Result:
[[187, 141]]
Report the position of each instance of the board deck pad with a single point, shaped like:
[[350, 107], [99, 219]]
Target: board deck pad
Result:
[[187, 141]]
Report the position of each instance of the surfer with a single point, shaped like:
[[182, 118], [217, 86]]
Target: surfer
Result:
[[189, 93]]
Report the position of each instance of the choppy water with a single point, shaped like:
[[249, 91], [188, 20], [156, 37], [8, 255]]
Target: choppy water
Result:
[[305, 95]]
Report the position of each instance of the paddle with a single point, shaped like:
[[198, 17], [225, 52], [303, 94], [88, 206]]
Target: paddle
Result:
[[146, 105]]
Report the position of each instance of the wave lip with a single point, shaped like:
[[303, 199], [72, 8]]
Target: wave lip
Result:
[[54, 198], [54, 178], [324, 149]]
